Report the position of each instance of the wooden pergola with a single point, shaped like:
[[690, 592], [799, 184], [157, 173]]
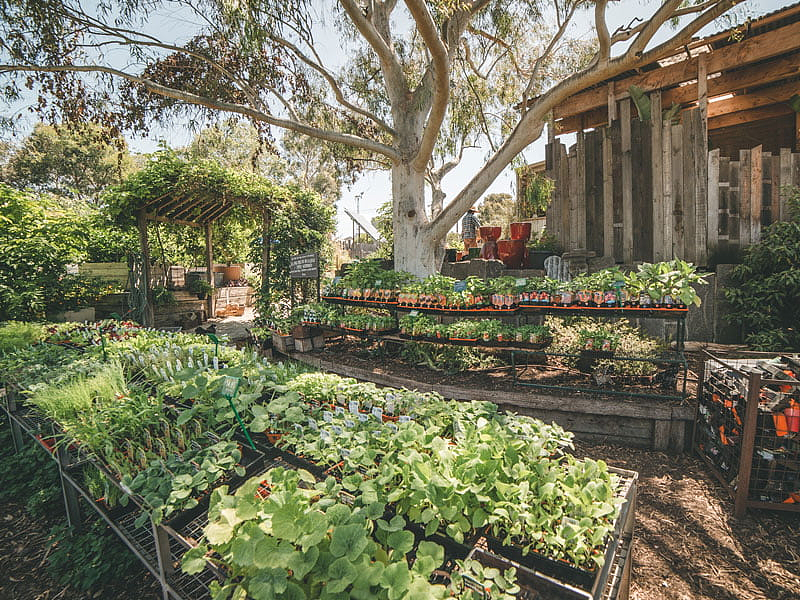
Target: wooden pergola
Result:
[[200, 203]]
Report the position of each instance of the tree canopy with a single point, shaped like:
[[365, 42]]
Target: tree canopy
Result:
[[388, 104], [78, 160]]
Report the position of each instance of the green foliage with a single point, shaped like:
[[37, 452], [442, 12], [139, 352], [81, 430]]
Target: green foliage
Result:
[[449, 359], [90, 558], [29, 477], [163, 297], [383, 222], [15, 335], [37, 240], [546, 241], [77, 160], [498, 210], [536, 194], [765, 287]]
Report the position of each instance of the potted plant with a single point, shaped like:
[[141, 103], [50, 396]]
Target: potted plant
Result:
[[201, 287]]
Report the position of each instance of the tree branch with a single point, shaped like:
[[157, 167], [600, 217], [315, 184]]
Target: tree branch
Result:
[[603, 37], [440, 69], [257, 115], [337, 90], [393, 71]]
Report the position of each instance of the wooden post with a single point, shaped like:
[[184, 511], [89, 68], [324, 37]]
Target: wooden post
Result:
[[572, 171], [677, 149], [713, 198], [612, 103], [666, 175], [144, 245], [733, 202], [756, 193], [748, 442], [724, 198], [265, 253], [580, 198], [689, 185], [210, 269], [785, 181], [608, 195], [627, 183], [797, 132], [773, 167], [701, 190], [656, 152], [744, 198]]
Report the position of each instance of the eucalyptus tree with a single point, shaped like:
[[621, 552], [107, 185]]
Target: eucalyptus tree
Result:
[[267, 60]]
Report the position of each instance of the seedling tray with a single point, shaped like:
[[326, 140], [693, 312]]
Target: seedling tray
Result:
[[591, 581]]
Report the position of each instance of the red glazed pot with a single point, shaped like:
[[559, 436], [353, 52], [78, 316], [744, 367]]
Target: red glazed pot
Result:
[[512, 253], [520, 231], [490, 234]]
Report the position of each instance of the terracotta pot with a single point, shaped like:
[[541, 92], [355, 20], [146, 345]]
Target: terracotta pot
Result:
[[520, 231], [792, 418], [232, 272], [490, 233]]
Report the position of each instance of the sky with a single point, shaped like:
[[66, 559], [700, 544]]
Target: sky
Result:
[[374, 188]]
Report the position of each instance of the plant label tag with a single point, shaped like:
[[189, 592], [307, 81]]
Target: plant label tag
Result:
[[229, 386], [339, 410], [313, 424], [349, 423], [413, 313], [389, 408], [347, 499], [327, 416], [460, 286], [325, 436], [404, 419], [353, 406], [216, 363], [521, 282], [392, 426], [363, 417], [378, 283], [377, 412], [336, 280], [344, 452], [298, 428], [336, 429]]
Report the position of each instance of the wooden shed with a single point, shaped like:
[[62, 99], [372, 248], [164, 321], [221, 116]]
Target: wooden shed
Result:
[[710, 164]]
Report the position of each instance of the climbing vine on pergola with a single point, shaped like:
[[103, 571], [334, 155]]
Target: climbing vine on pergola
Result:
[[194, 193]]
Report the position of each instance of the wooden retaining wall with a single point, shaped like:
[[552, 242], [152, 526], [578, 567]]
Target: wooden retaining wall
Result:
[[650, 191], [595, 419]]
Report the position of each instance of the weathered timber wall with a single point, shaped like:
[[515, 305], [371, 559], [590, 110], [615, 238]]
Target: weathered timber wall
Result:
[[650, 191]]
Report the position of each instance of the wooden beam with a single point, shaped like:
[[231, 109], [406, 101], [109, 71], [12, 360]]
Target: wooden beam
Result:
[[187, 208], [748, 116], [763, 97], [144, 245], [160, 219], [589, 120], [215, 213], [760, 47], [740, 79]]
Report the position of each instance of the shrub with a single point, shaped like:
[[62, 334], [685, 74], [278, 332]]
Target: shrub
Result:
[[766, 286]]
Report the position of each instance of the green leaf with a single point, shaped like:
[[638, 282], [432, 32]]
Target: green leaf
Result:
[[348, 539], [341, 573], [401, 541], [218, 533], [395, 578], [194, 561]]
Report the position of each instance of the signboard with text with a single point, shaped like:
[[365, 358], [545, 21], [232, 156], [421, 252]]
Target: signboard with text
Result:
[[304, 266]]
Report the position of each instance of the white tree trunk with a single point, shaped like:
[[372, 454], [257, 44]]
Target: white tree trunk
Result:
[[414, 249]]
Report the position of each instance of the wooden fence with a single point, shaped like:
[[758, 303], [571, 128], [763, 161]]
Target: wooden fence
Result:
[[650, 191]]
